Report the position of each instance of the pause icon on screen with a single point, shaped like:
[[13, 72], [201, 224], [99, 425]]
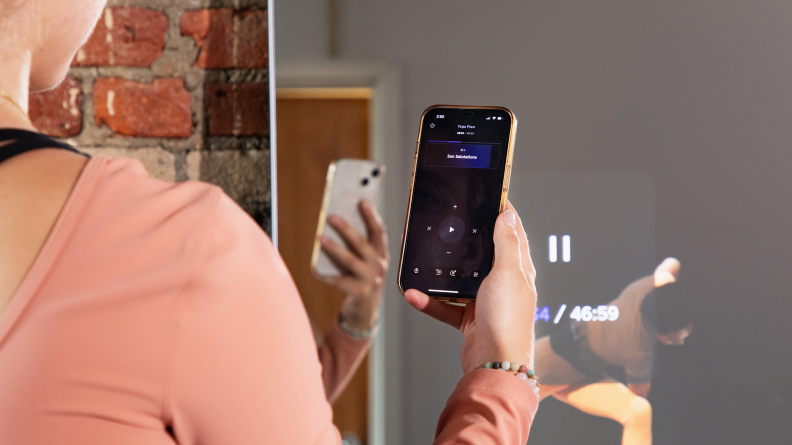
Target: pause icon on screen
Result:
[[566, 248]]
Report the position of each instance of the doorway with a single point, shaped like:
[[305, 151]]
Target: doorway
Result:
[[316, 126]]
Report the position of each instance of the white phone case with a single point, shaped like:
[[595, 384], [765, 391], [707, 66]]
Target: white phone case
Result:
[[348, 181]]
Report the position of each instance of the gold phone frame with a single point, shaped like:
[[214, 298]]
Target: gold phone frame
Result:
[[326, 197], [504, 187], [328, 190]]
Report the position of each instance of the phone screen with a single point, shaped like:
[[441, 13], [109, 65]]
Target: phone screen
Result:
[[461, 161]]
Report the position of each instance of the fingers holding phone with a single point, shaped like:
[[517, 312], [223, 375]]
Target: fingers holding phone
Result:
[[351, 247], [500, 324], [363, 262], [506, 302]]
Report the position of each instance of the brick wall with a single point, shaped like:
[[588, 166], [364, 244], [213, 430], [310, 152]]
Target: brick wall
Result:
[[181, 85]]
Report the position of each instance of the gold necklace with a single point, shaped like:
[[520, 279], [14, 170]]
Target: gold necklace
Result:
[[13, 101]]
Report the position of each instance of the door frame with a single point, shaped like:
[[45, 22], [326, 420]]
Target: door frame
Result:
[[386, 360]]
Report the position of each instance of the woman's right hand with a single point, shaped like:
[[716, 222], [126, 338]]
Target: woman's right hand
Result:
[[499, 326]]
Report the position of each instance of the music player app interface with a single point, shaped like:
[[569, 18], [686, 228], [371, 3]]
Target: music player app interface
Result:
[[456, 197]]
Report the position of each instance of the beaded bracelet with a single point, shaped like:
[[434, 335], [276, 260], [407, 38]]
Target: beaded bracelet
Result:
[[363, 334], [522, 372]]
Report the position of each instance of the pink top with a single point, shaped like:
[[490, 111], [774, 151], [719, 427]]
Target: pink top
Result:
[[157, 307]]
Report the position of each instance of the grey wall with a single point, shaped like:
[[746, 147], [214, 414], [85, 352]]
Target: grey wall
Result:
[[301, 29], [695, 94]]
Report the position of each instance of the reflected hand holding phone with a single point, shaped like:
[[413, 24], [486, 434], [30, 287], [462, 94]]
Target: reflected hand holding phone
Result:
[[349, 181], [351, 248]]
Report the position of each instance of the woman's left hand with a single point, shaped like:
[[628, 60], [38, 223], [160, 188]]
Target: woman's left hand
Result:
[[364, 264]]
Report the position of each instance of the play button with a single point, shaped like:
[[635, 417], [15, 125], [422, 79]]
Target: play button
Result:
[[452, 229]]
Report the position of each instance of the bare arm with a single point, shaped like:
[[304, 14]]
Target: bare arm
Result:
[[364, 261], [341, 355], [641, 389], [492, 406]]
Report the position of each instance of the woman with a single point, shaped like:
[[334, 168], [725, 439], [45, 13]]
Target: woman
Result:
[[136, 311], [575, 358]]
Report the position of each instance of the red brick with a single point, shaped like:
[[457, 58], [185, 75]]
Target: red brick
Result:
[[213, 31], [227, 39], [253, 38], [253, 108], [219, 99], [237, 109], [58, 112], [125, 37], [160, 109]]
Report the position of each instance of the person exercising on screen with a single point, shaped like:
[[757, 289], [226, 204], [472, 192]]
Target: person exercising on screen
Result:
[[573, 359]]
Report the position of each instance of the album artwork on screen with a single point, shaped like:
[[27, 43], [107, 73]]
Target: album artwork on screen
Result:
[[597, 319]]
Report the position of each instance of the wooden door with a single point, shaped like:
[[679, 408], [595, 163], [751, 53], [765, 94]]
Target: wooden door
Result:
[[316, 126]]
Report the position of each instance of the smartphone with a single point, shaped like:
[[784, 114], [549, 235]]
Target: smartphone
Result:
[[348, 181], [459, 185]]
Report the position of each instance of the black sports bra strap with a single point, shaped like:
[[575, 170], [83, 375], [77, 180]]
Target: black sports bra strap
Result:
[[25, 141]]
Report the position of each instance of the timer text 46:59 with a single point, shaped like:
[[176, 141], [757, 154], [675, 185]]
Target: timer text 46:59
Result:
[[579, 313]]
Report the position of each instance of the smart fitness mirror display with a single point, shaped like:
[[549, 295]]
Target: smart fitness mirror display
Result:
[[461, 160]]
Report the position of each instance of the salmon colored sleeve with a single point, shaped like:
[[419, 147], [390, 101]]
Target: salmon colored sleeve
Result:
[[340, 355], [244, 366], [488, 407]]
